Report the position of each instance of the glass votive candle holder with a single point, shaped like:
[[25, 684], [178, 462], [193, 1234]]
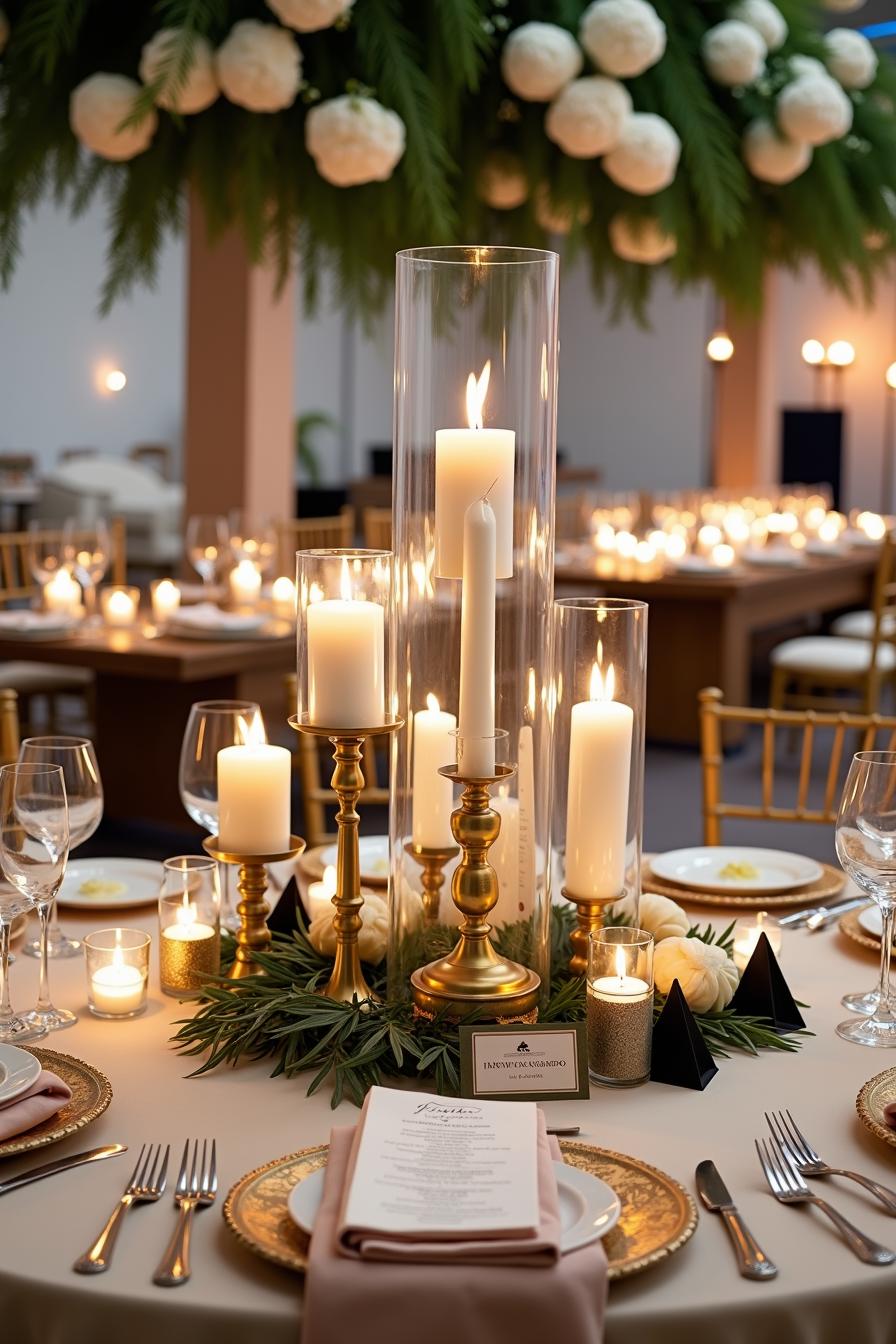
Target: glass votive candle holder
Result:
[[619, 999], [119, 605], [747, 933], [189, 924], [117, 971], [165, 597]]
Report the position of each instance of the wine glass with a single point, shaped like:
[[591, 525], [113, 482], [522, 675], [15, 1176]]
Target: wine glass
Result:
[[46, 550], [214, 724], [256, 543], [866, 848], [206, 539], [12, 1029], [33, 855], [89, 551]]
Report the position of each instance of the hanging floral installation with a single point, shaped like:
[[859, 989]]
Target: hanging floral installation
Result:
[[713, 138]]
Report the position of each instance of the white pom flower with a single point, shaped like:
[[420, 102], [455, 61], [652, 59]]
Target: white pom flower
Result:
[[766, 18], [622, 37], [707, 975], [733, 53], [646, 242], [372, 937], [4, 30], [502, 181], [354, 140], [97, 108], [587, 118], [807, 65], [259, 66], [851, 58], [813, 110], [200, 88], [770, 156], [538, 60], [309, 16], [645, 158], [659, 915], [555, 217]]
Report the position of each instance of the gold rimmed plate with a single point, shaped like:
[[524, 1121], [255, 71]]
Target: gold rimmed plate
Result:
[[826, 888], [877, 1093], [91, 1094], [851, 925], [658, 1215]]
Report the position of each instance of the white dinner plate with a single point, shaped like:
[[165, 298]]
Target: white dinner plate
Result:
[[701, 564], [871, 921], [701, 868], [374, 855], [139, 879], [18, 1070], [36, 624], [589, 1209]]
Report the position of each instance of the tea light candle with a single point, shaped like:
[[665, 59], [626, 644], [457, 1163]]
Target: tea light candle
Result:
[[165, 599], [245, 583], [253, 799], [119, 606], [117, 970], [320, 894], [283, 596], [746, 938], [188, 950], [62, 594], [620, 1025], [432, 794]]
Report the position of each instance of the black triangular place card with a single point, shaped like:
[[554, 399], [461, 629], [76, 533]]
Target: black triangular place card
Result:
[[679, 1055], [763, 991], [284, 918]]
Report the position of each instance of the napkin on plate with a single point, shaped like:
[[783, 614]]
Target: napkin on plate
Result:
[[206, 616], [46, 1095], [21, 621], [451, 1292]]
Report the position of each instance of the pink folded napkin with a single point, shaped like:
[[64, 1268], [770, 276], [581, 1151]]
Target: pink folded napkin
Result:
[[46, 1095], [446, 1291], [890, 1114]]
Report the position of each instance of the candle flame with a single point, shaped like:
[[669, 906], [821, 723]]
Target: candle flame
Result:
[[117, 956], [476, 390], [345, 583], [432, 702], [620, 962], [250, 731], [330, 880], [530, 696], [602, 687], [186, 913]]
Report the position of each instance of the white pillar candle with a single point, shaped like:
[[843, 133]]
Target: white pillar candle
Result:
[[320, 895], [504, 857], [62, 593], [117, 989], [600, 744], [432, 796], [471, 463], [283, 596], [245, 583], [253, 799], [345, 661], [119, 608], [476, 718], [165, 600]]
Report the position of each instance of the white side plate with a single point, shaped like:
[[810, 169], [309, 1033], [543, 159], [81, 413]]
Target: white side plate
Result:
[[374, 855], [141, 880], [18, 1070], [701, 868]]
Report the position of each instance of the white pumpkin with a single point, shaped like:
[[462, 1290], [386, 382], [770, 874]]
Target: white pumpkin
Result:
[[372, 938], [662, 917], [707, 975]]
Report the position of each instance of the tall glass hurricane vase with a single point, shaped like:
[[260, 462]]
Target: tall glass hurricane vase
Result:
[[475, 447]]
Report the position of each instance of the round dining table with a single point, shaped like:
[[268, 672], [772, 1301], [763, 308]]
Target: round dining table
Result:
[[822, 1295]]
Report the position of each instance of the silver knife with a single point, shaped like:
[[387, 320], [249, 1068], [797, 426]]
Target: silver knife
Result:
[[820, 919], [51, 1168], [803, 916], [752, 1262]]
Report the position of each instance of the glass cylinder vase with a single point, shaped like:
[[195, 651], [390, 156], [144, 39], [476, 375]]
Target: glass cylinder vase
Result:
[[475, 447], [598, 699]]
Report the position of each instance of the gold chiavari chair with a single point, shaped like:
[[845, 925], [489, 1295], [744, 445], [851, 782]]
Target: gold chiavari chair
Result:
[[869, 732], [571, 517], [309, 534], [376, 526], [318, 799], [9, 727]]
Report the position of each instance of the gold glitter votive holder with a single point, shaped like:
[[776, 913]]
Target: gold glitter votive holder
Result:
[[189, 925], [619, 1000]]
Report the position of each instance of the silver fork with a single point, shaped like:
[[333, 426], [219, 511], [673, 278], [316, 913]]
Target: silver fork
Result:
[[788, 1186], [146, 1185], [197, 1185], [807, 1161]]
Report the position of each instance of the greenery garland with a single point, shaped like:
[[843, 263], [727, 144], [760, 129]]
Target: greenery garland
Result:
[[438, 66], [281, 1015]]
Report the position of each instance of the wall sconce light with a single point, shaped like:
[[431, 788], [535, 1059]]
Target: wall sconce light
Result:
[[115, 380], [890, 376], [812, 352], [841, 354], [720, 347]]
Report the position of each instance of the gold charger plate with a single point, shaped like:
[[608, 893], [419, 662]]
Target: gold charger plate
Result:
[[658, 1215], [849, 924], [91, 1094], [870, 1103], [826, 888]]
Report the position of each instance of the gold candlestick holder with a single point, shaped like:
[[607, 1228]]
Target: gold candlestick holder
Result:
[[432, 860], [589, 919], [474, 975], [347, 981], [253, 934]]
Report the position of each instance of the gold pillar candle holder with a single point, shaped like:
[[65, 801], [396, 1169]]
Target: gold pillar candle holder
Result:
[[347, 980], [474, 975], [432, 860], [589, 919], [253, 934]]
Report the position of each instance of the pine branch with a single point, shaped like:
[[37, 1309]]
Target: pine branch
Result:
[[46, 31]]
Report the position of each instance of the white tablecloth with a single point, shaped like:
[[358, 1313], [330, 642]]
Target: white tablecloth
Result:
[[823, 1295]]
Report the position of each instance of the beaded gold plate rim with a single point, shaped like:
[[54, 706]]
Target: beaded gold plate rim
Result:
[[849, 924], [91, 1094], [658, 1215], [828, 886], [870, 1102]]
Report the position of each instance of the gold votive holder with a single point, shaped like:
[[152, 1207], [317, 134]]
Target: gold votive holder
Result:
[[253, 934], [117, 972], [619, 1003], [189, 924], [432, 861]]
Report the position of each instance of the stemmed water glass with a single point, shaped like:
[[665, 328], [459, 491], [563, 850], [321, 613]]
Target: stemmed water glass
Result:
[[46, 550], [250, 541], [89, 551], [76, 758], [214, 724], [33, 855], [206, 543], [866, 848], [12, 1029]]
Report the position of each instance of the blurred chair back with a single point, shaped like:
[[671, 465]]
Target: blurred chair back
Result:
[[71, 454], [309, 534], [376, 525], [14, 463], [16, 580], [9, 727], [571, 517], [157, 456]]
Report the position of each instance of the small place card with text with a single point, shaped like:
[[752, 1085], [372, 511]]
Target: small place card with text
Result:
[[547, 1062]]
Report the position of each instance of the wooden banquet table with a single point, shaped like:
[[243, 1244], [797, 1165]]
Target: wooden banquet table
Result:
[[823, 1295], [145, 685], [700, 626]]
